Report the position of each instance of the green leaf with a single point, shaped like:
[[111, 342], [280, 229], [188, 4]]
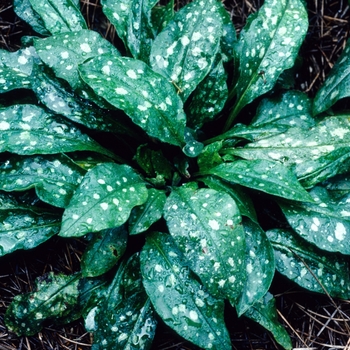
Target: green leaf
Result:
[[54, 298], [336, 85], [55, 177], [326, 223], [28, 129], [307, 151], [210, 156], [151, 211], [260, 265], [207, 227], [60, 16], [264, 313], [309, 266], [103, 251], [185, 50], [242, 199], [64, 52], [178, 298], [209, 97], [263, 175], [161, 16], [125, 318], [145, 96], [24, 10], [103, 200], [292, 108], [267, 46], [16, 69]]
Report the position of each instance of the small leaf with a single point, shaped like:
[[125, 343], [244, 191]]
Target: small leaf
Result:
[[28, 129], [263, 175], [242, 199], [125, 318], [55, 177], [103, 200], [24, 227], [207, 227], [64, 52], [267, 46], [54, 298], [185, 50], [336, 85], [292, 108], [260, 265], [264, 313], [325, 223], [145, 96], [103, 251], [178, 298], [193, 148], [209, 97], [210, 156], [151, 211], [60, 16], [309, 266]]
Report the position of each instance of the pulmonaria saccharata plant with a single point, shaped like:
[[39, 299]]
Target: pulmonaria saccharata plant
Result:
[[158, 139]]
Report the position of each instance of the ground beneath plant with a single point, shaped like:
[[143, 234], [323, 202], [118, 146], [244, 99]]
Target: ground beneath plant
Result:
[[313, 321]]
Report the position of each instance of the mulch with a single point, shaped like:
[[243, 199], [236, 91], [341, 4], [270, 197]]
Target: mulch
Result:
[[313, 321]]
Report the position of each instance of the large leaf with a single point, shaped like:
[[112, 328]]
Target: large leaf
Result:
[[54, 298], [103, 200], [336, 85], [263, 175], [267, 46], [178, 298], [151, 211], [16, 69], [24, 227], [326, 223], [185, 50], [64, 52], [103, 251], [145, 96], [60, 16], [28, 129], [308, 151], [55, 177], [264, 313], [260, 265], [207, 227], [124, 318], [309, 266]]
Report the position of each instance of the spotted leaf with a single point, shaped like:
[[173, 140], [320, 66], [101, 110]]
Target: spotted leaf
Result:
[[124, 317], [103, 251], [260, 265], [59, 16], [309, 266], [267, 46], [16, 69], [28, 129], [104, 199], [209, 97], [161, 15], [145, 96], [64, 52], [326, 223], [54, 177], [178, 298], [24, 227], [185, 50], [54, 298], [314, 153], [264, 313], [336, 85], [151, 211], [207, 227], [263, 175]]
